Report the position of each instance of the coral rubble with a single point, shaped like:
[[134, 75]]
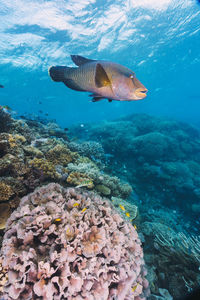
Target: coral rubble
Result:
[[66, 244]]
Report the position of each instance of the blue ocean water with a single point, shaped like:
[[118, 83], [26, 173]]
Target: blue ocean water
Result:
[[158, 40], [141, 142]]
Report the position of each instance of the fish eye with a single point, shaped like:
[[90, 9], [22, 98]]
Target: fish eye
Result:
[[132, 76]]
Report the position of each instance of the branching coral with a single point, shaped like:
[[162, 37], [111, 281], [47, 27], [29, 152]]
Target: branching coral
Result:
[[61, 244]]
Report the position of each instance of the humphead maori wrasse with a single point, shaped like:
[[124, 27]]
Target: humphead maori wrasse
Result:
[[102, 78]]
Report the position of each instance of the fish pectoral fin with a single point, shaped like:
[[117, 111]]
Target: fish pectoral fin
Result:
[[72, 85], [97, 98], [101, 77], [80, 60]]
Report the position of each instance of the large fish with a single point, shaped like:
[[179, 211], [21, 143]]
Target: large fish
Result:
[[104, 79]]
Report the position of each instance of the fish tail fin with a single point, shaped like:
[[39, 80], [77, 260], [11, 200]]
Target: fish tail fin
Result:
[[58, 73]]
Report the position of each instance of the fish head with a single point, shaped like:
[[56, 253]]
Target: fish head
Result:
[[128, 87]]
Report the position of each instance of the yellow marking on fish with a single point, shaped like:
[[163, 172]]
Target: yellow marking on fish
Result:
[[122, 207], [76, 204], [127, 214], [84, 209], [134, 287], [57, 220], [135, 227]]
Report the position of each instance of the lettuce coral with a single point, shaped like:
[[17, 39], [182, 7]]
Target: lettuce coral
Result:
[[63, 244]]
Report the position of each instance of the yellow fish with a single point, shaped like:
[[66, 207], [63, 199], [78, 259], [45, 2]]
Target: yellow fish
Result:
[[75, 204], [104, 79], [57, 220], [122, 207], [127, 214], [134, 287], [84, 209]]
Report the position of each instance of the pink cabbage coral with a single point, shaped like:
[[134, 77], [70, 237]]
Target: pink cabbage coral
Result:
[[65, 244]]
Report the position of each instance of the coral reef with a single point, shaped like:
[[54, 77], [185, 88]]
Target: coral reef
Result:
[[110, 183], [176, 258], [44, 167], [5, 213], [3, 276], [33, 153], [158, 156], [80, 179], [5, 191], [6, 120], [63, 244], [90, 149]]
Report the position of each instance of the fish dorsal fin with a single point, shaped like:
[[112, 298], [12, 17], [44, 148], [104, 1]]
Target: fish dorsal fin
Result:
[[80, 60], [101, 77]]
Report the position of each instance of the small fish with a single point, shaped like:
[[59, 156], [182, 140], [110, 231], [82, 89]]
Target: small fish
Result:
[[135, 227], [76, 204], [1, 86], [57, 220], [134, 287], [66, 129], [67, 231], [122, 207], [83, 210], [128, 215], [8, 108], [87, 183], [103, 79]]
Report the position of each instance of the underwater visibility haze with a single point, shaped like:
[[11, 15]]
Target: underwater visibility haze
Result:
[[99, 176]]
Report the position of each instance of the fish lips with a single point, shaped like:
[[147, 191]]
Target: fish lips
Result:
[[140, 93]]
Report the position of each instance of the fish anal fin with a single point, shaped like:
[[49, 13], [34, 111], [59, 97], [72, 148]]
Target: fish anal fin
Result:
[[101, 77], [80, 60], [72, 85]]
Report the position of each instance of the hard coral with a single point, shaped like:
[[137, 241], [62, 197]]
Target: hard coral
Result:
[[4, 214], [45, 167], [61, 155], [63, 244], [3, 276], [5, 191], [80, 179]]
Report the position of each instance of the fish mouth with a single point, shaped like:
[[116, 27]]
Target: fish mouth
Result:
[[141, 93]]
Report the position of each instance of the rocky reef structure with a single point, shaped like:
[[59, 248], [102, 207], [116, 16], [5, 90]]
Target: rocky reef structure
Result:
[[33, 153], [158, 156], [67, 244]]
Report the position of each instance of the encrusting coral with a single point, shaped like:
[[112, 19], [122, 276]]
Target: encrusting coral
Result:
[[63, 244]]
